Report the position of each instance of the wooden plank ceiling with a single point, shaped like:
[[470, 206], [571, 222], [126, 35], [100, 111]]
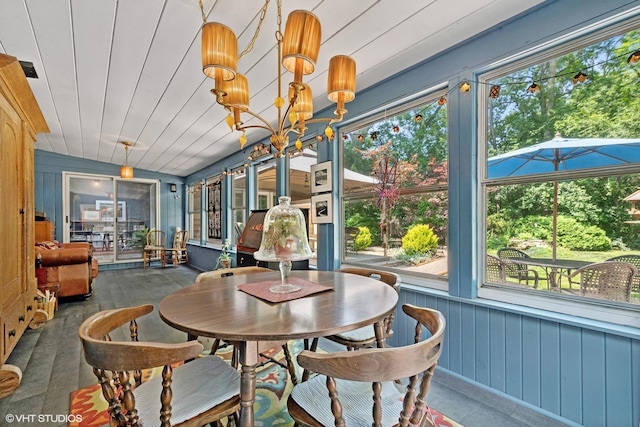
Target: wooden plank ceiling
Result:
[[113, 70]]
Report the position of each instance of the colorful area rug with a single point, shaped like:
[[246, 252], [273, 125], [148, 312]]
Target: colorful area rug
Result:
[[272, 391]]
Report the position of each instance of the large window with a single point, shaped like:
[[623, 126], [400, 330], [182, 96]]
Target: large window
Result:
[[562, 163], [195, 211], [395, 189]]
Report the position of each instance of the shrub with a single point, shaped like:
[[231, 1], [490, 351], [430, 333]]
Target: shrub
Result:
[[363, 241], [420, 239], [577, 237]]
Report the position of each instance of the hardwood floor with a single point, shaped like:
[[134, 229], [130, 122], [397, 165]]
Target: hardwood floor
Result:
[[53, 365]]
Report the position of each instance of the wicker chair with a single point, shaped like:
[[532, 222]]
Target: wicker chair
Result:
[[518, 270], [631, 259], [497, 272], [359, 388], [610, 280]]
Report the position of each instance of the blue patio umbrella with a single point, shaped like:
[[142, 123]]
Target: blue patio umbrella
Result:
[[564, 154]]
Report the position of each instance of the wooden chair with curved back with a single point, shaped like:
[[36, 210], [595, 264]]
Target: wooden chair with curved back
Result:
[[178, 251], [154, 247], [365, 336], [226, 272], [359, 388], [196, 393]]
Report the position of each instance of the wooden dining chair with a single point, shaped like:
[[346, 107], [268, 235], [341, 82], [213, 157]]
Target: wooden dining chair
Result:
[[610, 280], [217, 343], [359, 388], [518, 270], [202, 391], [154, 247], [365, 336], [496, 272], [178, 251]]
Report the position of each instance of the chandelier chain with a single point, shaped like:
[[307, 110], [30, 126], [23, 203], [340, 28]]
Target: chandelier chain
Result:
[[263, 13], [204, 17]]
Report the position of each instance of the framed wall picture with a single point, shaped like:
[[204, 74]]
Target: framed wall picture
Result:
[[106, 210], [90, 215], [321, 178], [321, 209]]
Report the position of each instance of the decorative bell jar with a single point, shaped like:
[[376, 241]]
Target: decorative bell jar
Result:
[[284, 239]]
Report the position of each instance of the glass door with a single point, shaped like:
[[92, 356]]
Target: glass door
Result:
[[111, 214]]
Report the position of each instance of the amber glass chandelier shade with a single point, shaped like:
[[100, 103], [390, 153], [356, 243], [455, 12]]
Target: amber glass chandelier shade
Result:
[[126, 172], [219, 51], [236, 90], [301, 43], [341, 78], [304, 102]]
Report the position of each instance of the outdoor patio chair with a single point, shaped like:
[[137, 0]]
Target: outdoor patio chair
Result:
[[350, 236], [358, 388], [610, 280], [631, 259], [518, 270], [497, 271], [195, 393]]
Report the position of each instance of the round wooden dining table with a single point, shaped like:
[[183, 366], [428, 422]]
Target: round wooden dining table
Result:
[[217, 309]]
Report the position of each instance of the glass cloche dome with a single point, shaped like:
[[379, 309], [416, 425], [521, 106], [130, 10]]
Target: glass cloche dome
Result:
[[284, 239]]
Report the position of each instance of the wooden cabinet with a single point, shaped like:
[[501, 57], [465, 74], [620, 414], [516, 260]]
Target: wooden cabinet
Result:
[[20, 121], [45, 230]]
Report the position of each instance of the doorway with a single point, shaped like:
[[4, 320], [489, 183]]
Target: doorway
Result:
[[112, 214]]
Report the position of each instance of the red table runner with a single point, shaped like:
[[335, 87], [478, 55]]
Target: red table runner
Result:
[[261, 289]]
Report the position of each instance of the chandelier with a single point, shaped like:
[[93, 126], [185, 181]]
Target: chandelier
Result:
[[298, 49]]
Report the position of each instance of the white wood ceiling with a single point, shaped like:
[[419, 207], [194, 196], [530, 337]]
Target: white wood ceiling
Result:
[[113, 70]]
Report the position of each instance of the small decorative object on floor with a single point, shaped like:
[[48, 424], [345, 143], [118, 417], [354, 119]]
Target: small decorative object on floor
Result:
[[224, 260], [284, 239]]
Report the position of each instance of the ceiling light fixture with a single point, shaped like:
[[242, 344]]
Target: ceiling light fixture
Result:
[[298, 50], [126, 171]]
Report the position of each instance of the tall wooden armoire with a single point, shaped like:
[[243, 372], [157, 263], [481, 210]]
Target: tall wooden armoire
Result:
[[20, 121]]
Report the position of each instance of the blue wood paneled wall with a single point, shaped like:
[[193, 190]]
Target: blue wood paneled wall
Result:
[[582, 374], [48, 189]]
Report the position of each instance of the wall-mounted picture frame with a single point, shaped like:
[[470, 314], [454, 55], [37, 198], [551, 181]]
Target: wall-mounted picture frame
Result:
[[106, 210], [321, 177], [321, 209], [90, 215]]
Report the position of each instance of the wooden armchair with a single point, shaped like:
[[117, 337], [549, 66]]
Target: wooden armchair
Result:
[[196, 393], [366, 337], [358, 388], [179, 249], [610, 280], [517, 270], [154, 247]]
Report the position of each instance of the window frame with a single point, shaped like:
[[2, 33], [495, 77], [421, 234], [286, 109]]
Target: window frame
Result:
[[608, 311], [432, 95]]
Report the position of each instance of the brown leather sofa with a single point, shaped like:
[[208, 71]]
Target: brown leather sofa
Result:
[[67, 266]]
